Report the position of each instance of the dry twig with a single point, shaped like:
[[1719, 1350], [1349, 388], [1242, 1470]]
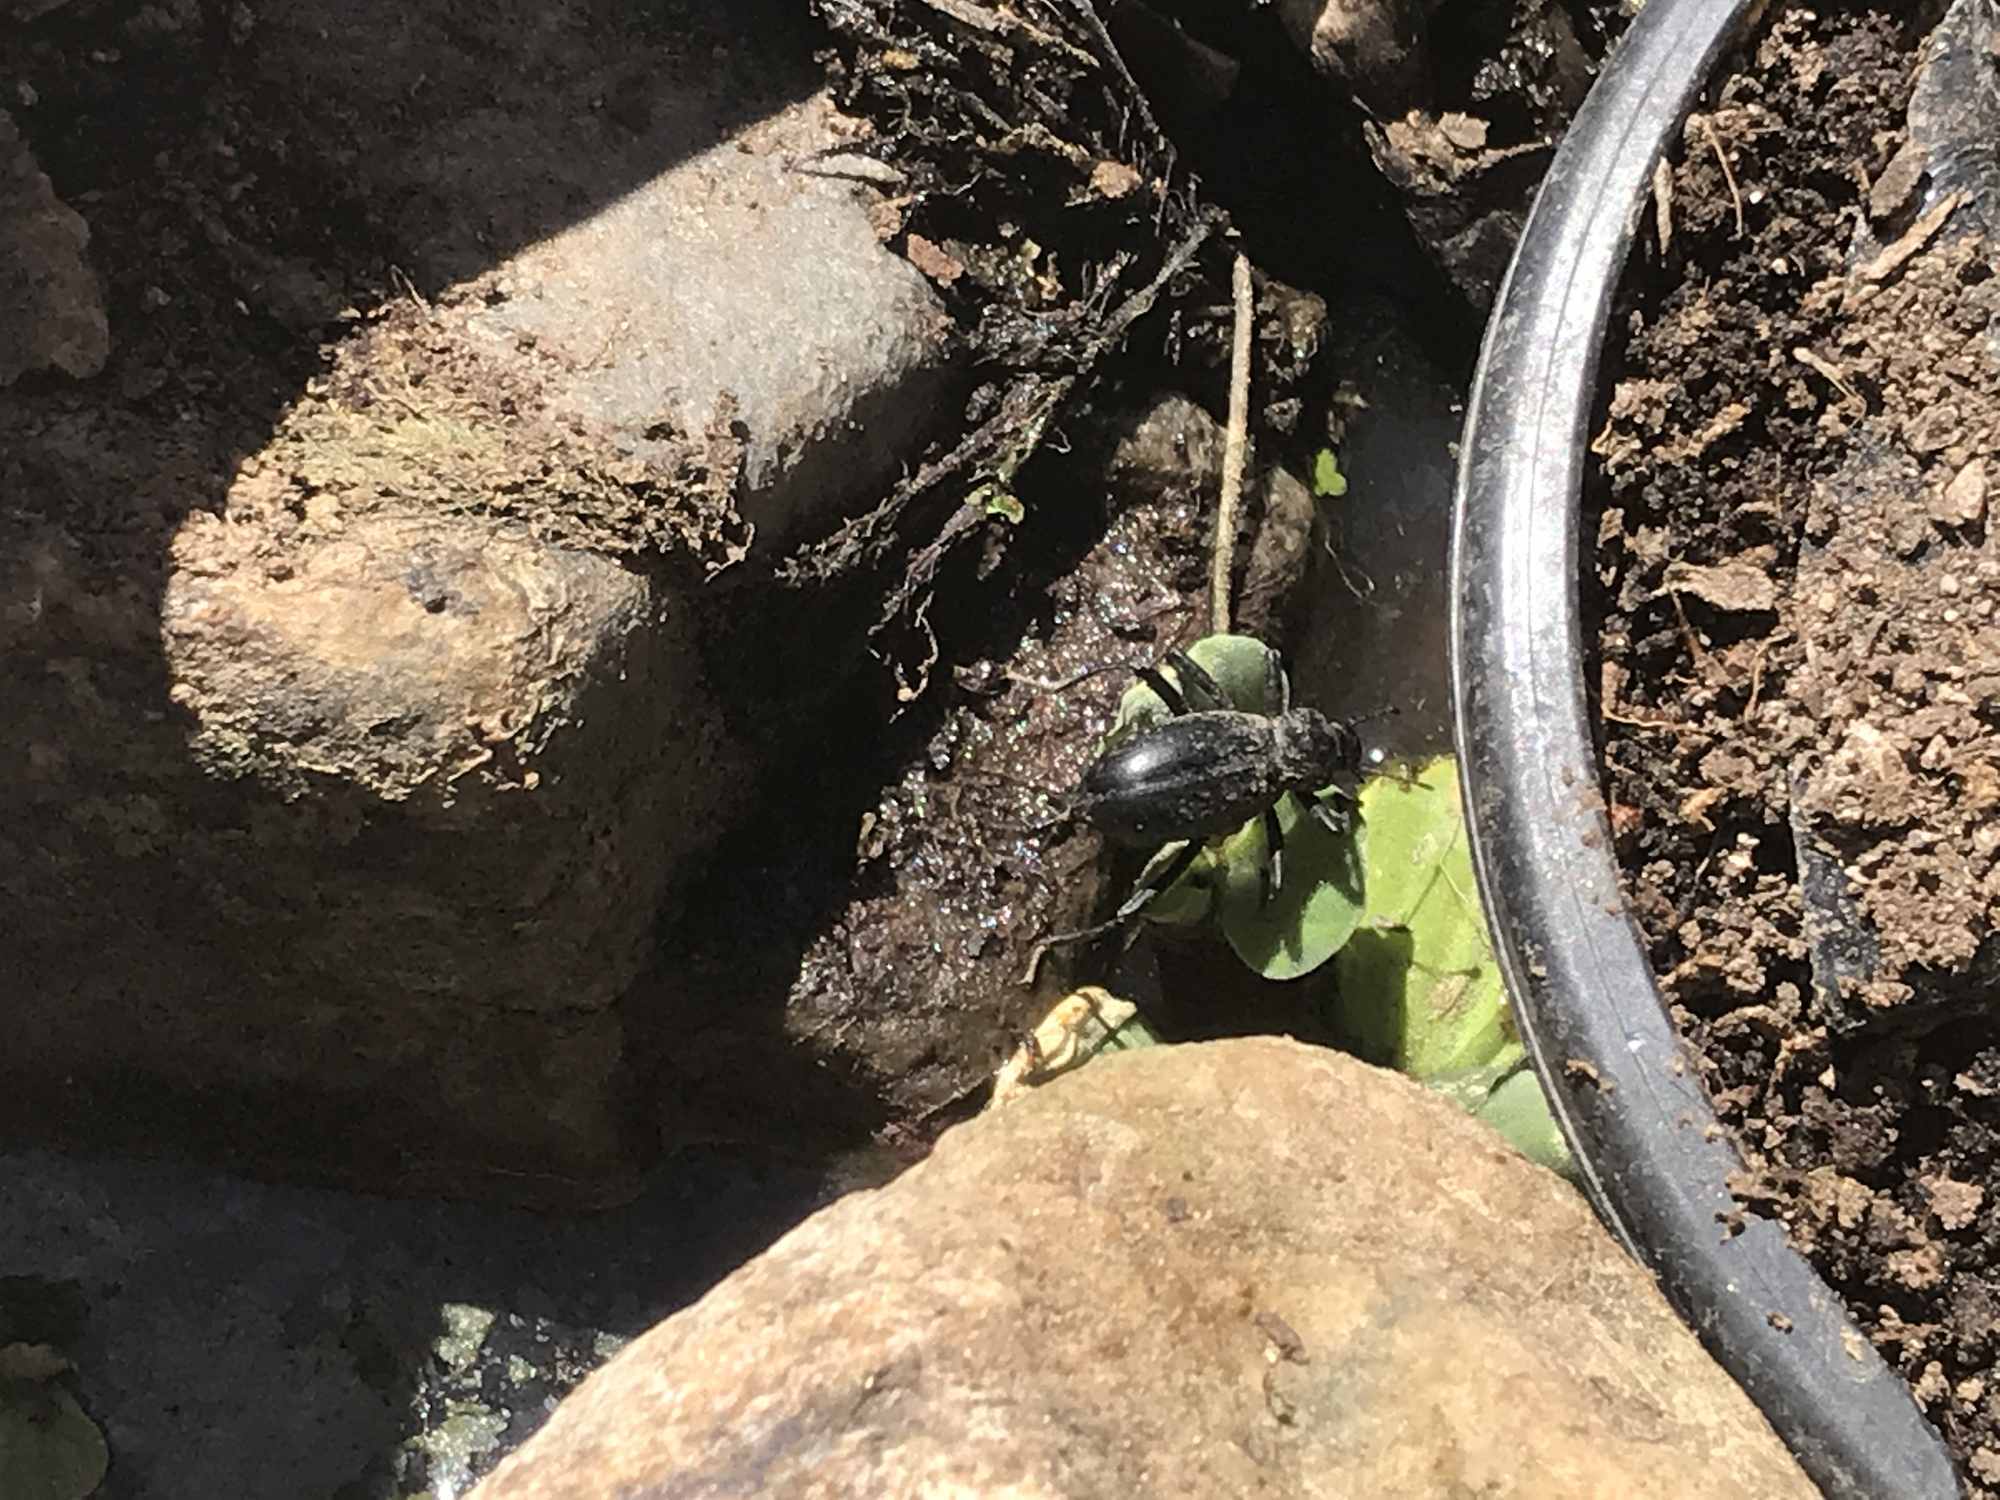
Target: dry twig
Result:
[[1918, 235], [1728, 176], [1235, 454]]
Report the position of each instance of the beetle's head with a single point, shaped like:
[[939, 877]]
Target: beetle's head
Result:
[[1321, 749]]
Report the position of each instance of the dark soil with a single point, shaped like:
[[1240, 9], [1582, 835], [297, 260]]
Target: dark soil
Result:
[[899, 875], [1799, 678]]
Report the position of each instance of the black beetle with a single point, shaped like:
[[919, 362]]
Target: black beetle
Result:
[[1210, 768]]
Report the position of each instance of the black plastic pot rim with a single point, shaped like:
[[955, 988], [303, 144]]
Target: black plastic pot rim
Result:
[[1654, 1157]]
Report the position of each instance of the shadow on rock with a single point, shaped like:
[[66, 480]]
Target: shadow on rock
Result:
[[351, 780]]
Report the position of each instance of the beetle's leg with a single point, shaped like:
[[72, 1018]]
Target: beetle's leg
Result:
[[1143, 893], [1165, 690], [1057, 939], [1202, 690], [1335, 820], [1350, 744], [1277, 685], [1274, 864]]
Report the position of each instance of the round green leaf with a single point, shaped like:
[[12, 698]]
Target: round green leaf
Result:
[[1518, 1109], [1420, 989], [49, 1450], [1189, 899], [1316, 909], [1506, 1094], [1239, 665]]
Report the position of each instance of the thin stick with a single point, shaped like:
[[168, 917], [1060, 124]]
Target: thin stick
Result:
[[1663, 724], [1235, 455], [1918, 235], [1831, 373], [1722, 160]]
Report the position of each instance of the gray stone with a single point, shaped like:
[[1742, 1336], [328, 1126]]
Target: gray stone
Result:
[[740, 280], [329, 1346], [339, 856], [51, 311], [1241, 1268], [655, 223]]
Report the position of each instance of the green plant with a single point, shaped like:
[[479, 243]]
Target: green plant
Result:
[[1327, 481], [1420, 989], [1389, 899], [1319, 903]]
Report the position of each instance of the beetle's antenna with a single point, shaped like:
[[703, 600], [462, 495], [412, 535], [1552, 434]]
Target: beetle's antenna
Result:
[[1069, 682], [1196, 683], [1164, 690], [1058, 939]]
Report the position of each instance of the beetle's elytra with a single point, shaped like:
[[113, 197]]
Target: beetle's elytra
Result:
[[1205, 774]]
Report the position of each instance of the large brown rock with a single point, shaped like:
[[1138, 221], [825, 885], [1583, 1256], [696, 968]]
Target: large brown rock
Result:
[[338, 852], [350, 617], [1242, 1268]]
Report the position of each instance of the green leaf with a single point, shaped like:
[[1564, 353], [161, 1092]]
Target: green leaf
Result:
[[1517, 1109], [997, 500], [1420, 989], [1241, 667], [1188, 900], [1238, 663], [49, 1450], [1328, 482], [1507, 1095], [1314, 912]]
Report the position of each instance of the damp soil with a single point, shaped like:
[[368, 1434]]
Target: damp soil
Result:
[[1797, 601]]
